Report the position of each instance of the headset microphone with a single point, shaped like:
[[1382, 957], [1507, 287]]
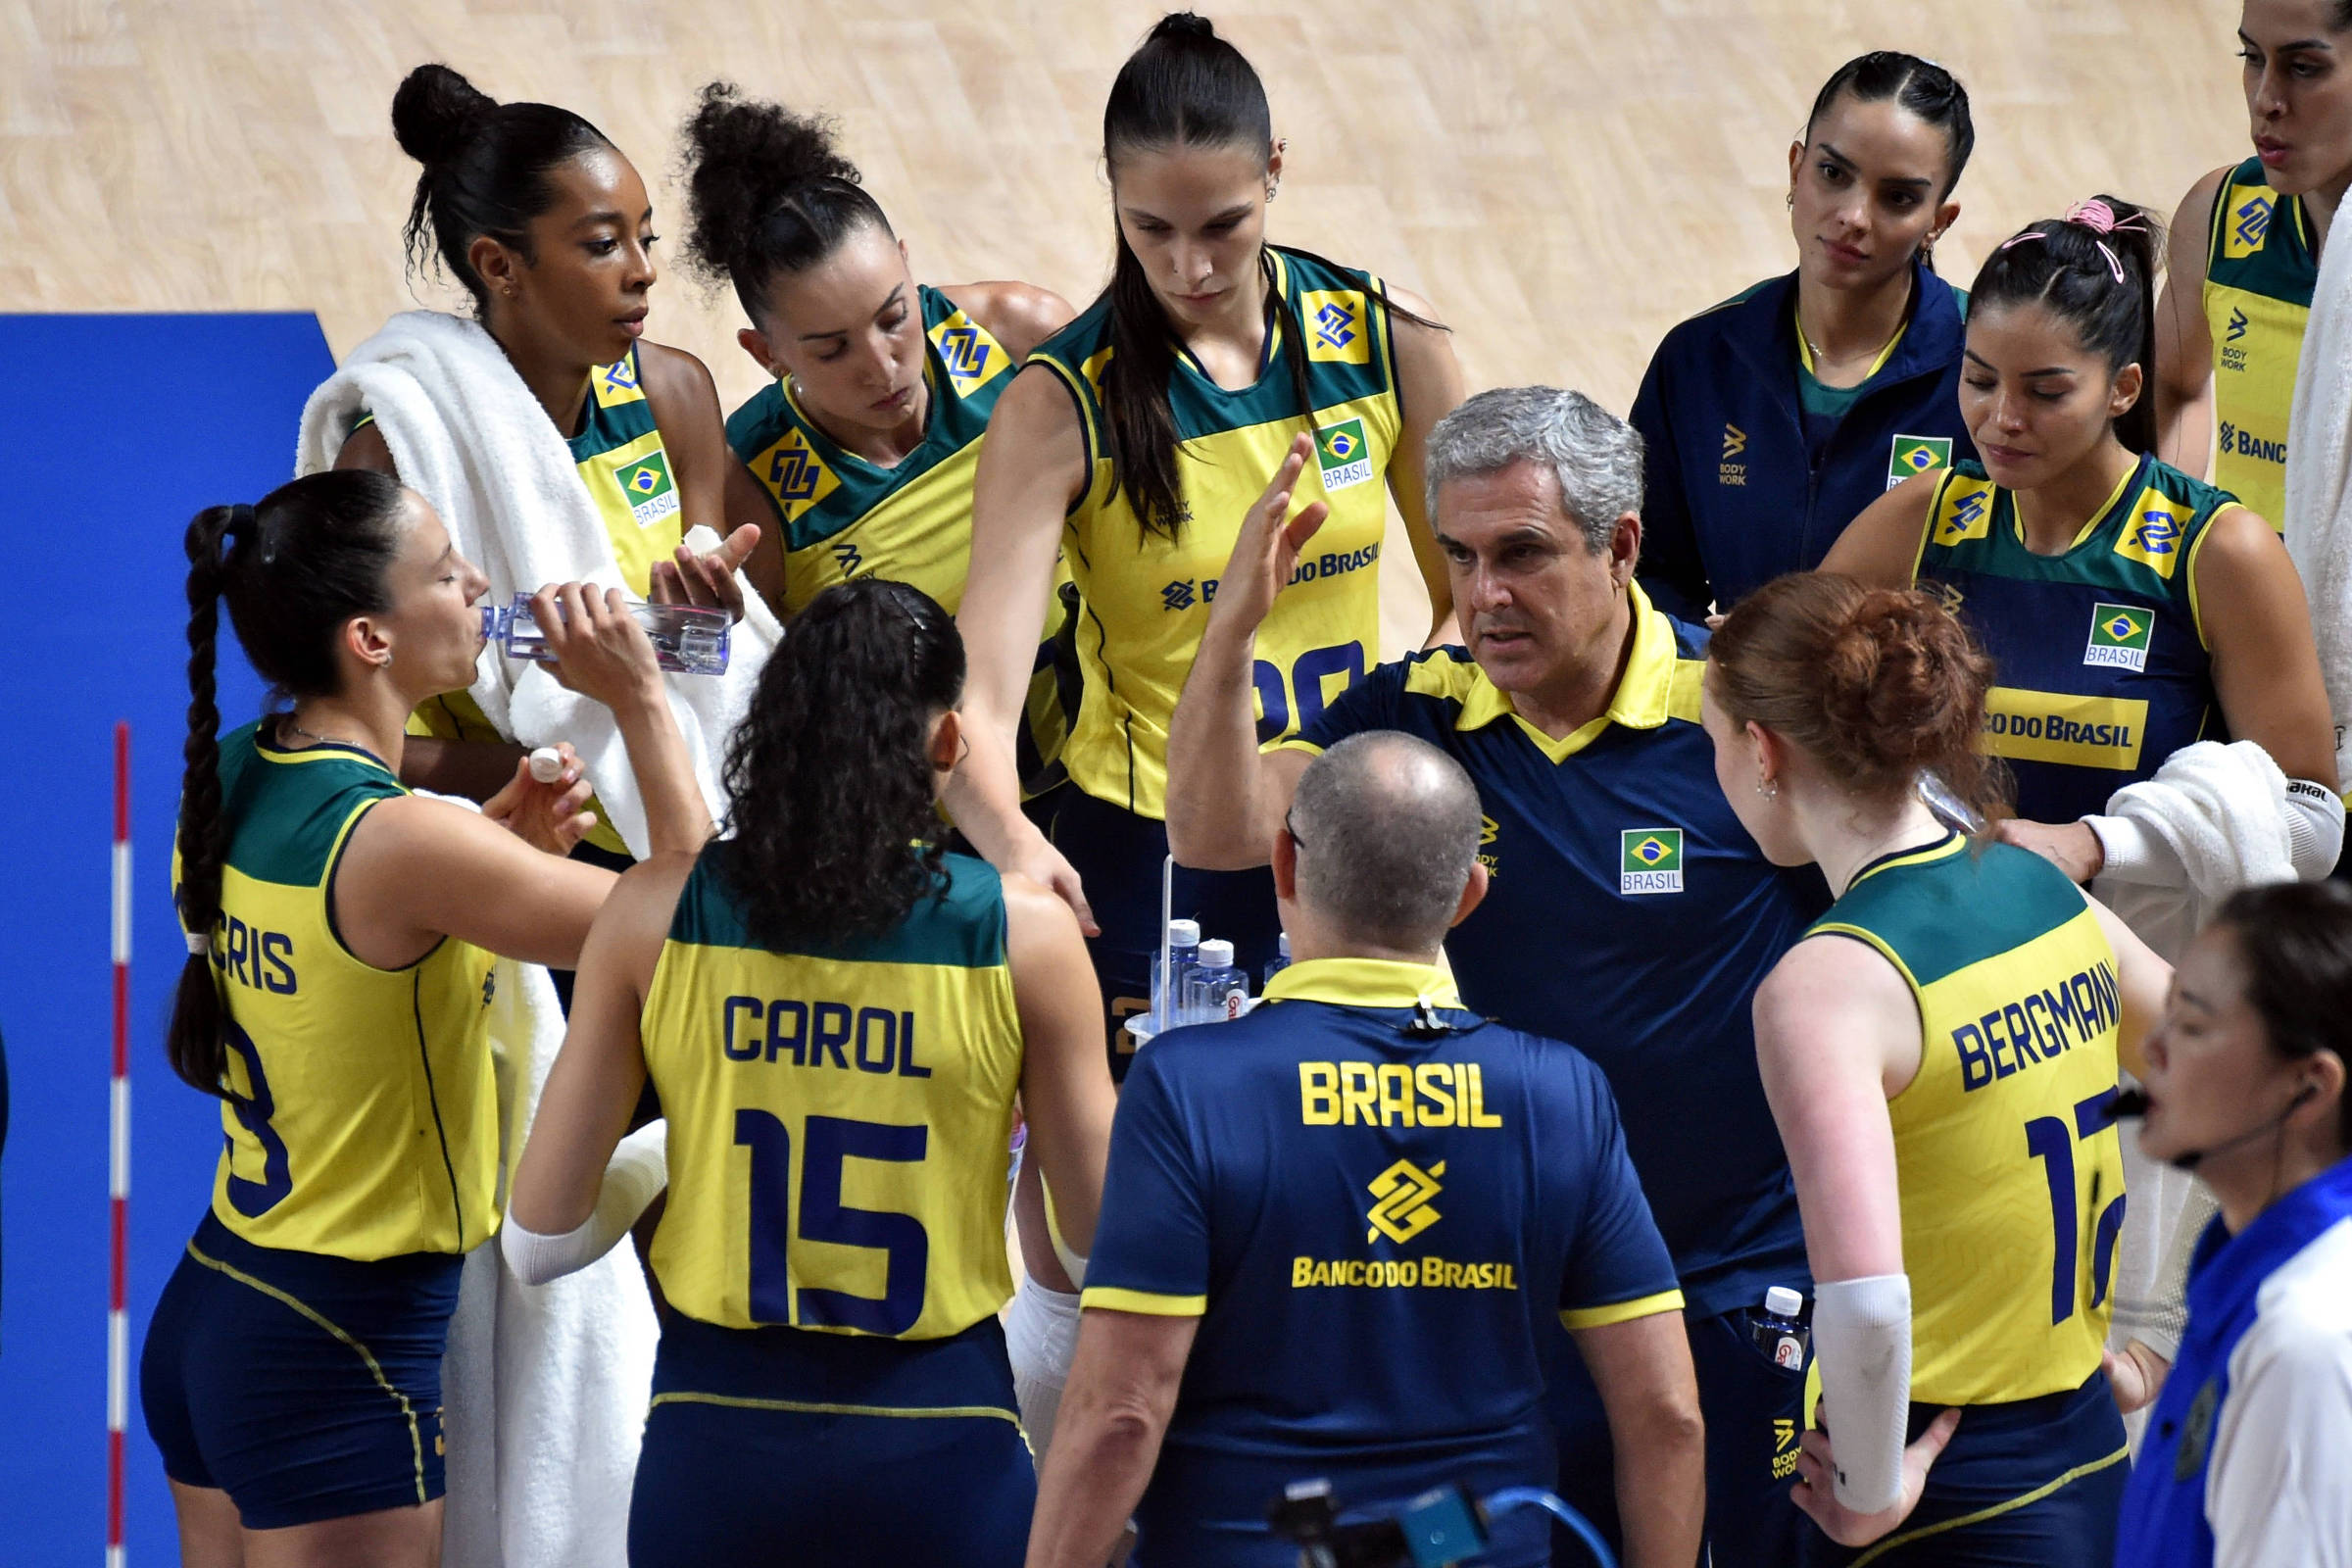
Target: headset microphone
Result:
[[2134, 1102]]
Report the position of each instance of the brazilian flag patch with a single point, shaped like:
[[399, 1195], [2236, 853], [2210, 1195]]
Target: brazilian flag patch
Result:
[[1649, 860], [645, 483], [2119, 636], [1344, 454], [1914, 455]]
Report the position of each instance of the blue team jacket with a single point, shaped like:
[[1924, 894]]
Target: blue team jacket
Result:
[[1733, 498]]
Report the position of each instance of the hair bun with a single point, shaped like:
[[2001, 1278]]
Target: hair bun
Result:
[[434, 112], [1901, 682], [1182, 25]]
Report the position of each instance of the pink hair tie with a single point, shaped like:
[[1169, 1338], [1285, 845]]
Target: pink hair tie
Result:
[[2097, 217]]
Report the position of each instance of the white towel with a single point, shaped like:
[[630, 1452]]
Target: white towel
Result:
[[2319, 482], [467, 435], [544, 1388], [2214, 817]]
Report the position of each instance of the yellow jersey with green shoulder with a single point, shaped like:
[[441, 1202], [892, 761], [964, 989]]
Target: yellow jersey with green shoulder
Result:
[[619, 457], [840, 1117], [841, 516], [362, 1121], [1145, 599], [2005, 1143], [2259, 275]]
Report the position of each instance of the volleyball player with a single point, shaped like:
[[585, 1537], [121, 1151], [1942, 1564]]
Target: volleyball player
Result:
[[549, 229], [1772, 420], [2128, 609], [1940, 1056], [336, 994], [2244, 256], [1138, 439], [837, 1017], [861, 447]]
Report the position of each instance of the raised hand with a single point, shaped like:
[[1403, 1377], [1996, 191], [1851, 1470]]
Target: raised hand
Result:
[[1267, 551]]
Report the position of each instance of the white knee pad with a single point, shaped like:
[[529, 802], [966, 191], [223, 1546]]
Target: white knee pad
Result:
[[1041, 1335]]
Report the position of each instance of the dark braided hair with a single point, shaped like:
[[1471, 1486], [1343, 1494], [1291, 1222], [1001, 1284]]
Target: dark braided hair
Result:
[[2071, 267], [1184, 88], [831, 784], [294, 567], [766, 194], [485, 168]]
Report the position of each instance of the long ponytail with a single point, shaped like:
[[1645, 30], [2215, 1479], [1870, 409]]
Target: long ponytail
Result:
[[195, 1042], [1183, 88]]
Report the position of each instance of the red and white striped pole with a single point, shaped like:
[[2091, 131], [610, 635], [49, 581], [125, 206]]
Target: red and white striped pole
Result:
[[118, 1186]]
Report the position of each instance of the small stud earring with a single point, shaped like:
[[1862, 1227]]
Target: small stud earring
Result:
[[1790, 200], [1769, 788], [1272, 187]]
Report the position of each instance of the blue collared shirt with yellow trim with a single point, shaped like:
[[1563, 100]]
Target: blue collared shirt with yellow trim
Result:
[[1629, 913], [1372, 1221]]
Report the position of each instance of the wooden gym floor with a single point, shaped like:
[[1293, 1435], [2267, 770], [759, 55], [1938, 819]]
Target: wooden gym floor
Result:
[[1564, 181]]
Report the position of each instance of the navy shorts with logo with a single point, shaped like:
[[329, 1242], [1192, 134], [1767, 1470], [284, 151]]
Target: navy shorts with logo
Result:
[[1117, 855], [788, 1446], [2035, 1483], [1754, 1412], [306, 1387]]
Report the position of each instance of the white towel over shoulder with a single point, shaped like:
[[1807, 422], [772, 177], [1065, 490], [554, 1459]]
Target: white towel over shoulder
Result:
[[467, 435], [2214, 819]]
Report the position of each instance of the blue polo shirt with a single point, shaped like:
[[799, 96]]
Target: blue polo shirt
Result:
[[1630, 913], [1371, 1221]]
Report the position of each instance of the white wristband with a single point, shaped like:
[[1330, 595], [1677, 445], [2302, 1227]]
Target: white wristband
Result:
[[1862, 1337], [634, 1177]]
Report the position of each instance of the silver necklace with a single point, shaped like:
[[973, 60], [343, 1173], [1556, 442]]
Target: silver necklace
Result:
[[323, 740]]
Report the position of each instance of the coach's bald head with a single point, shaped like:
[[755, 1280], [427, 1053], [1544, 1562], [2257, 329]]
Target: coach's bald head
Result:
[[1381, 856]]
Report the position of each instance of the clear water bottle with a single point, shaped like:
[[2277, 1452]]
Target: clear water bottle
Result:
[[686, 638], [1182, 949], [1281, 959], [1779, 1331], [1218, 990]]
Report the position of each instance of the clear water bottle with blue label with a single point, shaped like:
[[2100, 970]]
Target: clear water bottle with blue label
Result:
[[1780, 1331], [1281, 959], [1182, 949], [1218, 990], [686, 638]]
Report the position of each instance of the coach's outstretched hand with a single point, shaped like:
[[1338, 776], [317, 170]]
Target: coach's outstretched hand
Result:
[[1817, 1491], [1267, 551]]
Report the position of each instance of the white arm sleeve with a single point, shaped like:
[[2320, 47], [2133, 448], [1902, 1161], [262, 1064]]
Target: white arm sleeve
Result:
[[1862, 1336], [2276, 1491], [633, 1178], [2314, 828]]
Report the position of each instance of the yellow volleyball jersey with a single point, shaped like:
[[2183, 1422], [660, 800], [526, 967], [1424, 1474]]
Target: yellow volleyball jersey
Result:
[[1145, 599], [2006, 1152], [619, 457], [843, 518], [365, 1119], [839, 1119], [2259, 275]]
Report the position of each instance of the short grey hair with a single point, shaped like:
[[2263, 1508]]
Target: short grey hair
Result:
[[1596, 456], [1388, 828]]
